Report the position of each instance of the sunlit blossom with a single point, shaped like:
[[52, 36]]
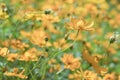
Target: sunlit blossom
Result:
[[16, 73], [70, 62], [80, 24]]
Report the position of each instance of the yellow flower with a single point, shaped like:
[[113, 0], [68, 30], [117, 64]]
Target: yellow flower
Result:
[[90, 75], [30, 55], [74, 76], [72, 36], [16, 73], [12, 56], [15, 44], [61, 44], [4, 52], [109, 77], [37, 37], [92, 60], [52, 61], [87, 75], [80, 24], [70, 62]]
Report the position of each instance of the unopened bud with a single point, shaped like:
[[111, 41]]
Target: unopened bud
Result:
[[114, 37], [48, 11], [112, 40], [46, 39]]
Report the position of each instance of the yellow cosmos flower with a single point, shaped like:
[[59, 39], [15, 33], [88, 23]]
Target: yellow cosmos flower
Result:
[[80, 24], [70, 62], [16, 73], [109, 77], [4, 52]]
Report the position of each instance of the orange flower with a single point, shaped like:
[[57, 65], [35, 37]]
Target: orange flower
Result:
[[30, 55], [70, 62], [72, 36], [37, 37], [61, 44], [74, 76], [97, 57], [94, 62], [90, 75], [12, 56], [15, 44], [87, 75], [109, 77], [3, 52], [80, 24], [16, 73]]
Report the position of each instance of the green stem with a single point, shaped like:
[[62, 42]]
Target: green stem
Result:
[[107, 55], [36, 65], [55, 54], [44, 71], [33, 77], [82, 78]]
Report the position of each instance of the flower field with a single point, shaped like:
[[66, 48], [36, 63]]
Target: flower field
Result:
[[59, 39]]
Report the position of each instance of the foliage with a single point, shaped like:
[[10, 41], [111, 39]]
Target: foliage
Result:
[[59, 39]]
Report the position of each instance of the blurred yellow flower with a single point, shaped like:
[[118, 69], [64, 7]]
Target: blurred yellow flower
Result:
[[37, 37], [4, 52], [90, 75], [70, 62], [94, 62], [15, 44], [80, 24], [87, 75], [109, 77], [61, 44], [12, 56], [16, 73]]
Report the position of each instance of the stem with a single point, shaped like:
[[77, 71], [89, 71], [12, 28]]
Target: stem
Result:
[[36, 65], [107, 55], [32, 75], [44, 71], [82, 78], [55, 54], [60, 71]]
